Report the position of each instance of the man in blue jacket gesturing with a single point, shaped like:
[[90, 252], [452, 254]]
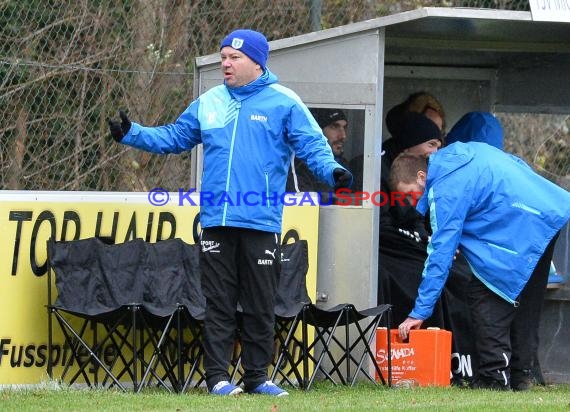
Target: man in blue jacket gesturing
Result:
[[504, 219], [249, 126]]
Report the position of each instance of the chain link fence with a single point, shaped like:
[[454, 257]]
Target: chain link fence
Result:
[[67, 65]]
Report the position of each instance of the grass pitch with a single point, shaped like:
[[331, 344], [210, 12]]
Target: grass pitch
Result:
[[322, 397]]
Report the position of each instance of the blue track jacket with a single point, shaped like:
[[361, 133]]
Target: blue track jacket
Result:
[[248, 135], [496, 210]]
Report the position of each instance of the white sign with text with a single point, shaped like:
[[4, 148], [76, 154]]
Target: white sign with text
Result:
[[550, 10]]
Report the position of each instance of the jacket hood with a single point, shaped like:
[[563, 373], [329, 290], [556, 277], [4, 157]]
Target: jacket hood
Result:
[[477, 127]]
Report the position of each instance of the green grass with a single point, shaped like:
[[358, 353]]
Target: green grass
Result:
[[323, 397]]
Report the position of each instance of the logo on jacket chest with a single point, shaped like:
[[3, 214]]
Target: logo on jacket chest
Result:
[[258, 118]]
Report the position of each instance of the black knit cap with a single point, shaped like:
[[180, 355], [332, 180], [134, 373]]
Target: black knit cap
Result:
[[324, 117], [413, 129], [394, 117]]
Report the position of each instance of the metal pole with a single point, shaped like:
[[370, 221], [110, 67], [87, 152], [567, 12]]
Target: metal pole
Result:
[[315, 12]]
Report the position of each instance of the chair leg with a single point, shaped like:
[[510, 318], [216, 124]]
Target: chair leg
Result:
[[69, 333], [323, 335], [236, 374], [50, 340], [366, 336], [158, 355], [286, 347], [193, 352], [76, 343], [179, 342], [341, 347]]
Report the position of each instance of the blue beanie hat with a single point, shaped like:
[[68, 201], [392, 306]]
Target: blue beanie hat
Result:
[[249, 42], [477, 127]]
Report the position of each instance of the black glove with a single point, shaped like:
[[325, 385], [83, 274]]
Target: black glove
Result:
[[342, 178], [119, 130]]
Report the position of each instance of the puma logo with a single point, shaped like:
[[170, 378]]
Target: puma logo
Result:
[[272, 254]]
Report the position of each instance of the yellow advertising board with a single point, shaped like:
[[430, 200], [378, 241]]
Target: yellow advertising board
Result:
[[29, 219]]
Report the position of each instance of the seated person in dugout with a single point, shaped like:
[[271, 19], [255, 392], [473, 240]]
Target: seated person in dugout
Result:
[[334, 125], [419, 102], [412, 132], [504, 219], [403, 234]]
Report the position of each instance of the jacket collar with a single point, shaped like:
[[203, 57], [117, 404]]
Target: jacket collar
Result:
[[243, 92]]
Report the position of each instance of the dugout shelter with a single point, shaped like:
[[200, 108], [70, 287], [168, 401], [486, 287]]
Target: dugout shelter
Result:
[[471, 59]]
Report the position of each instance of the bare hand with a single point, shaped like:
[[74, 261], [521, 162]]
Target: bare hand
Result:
[[407, 325]]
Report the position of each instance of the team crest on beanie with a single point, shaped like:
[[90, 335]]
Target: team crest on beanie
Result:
[[237, 43]]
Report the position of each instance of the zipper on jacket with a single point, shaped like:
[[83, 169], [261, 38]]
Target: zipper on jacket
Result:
[[230, 159], [267, 189]]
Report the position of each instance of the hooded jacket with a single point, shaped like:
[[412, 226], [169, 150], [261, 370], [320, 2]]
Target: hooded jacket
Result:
[[477, 127], [496, 210], [248, 135]]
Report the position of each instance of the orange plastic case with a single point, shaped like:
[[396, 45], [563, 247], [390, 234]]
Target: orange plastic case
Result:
[[425, 360]]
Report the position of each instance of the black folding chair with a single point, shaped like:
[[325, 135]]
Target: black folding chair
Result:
[[97, 308], [191, 314], [307, 337], [189, 325], [291, 298], [165, 276], [342, 354]]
